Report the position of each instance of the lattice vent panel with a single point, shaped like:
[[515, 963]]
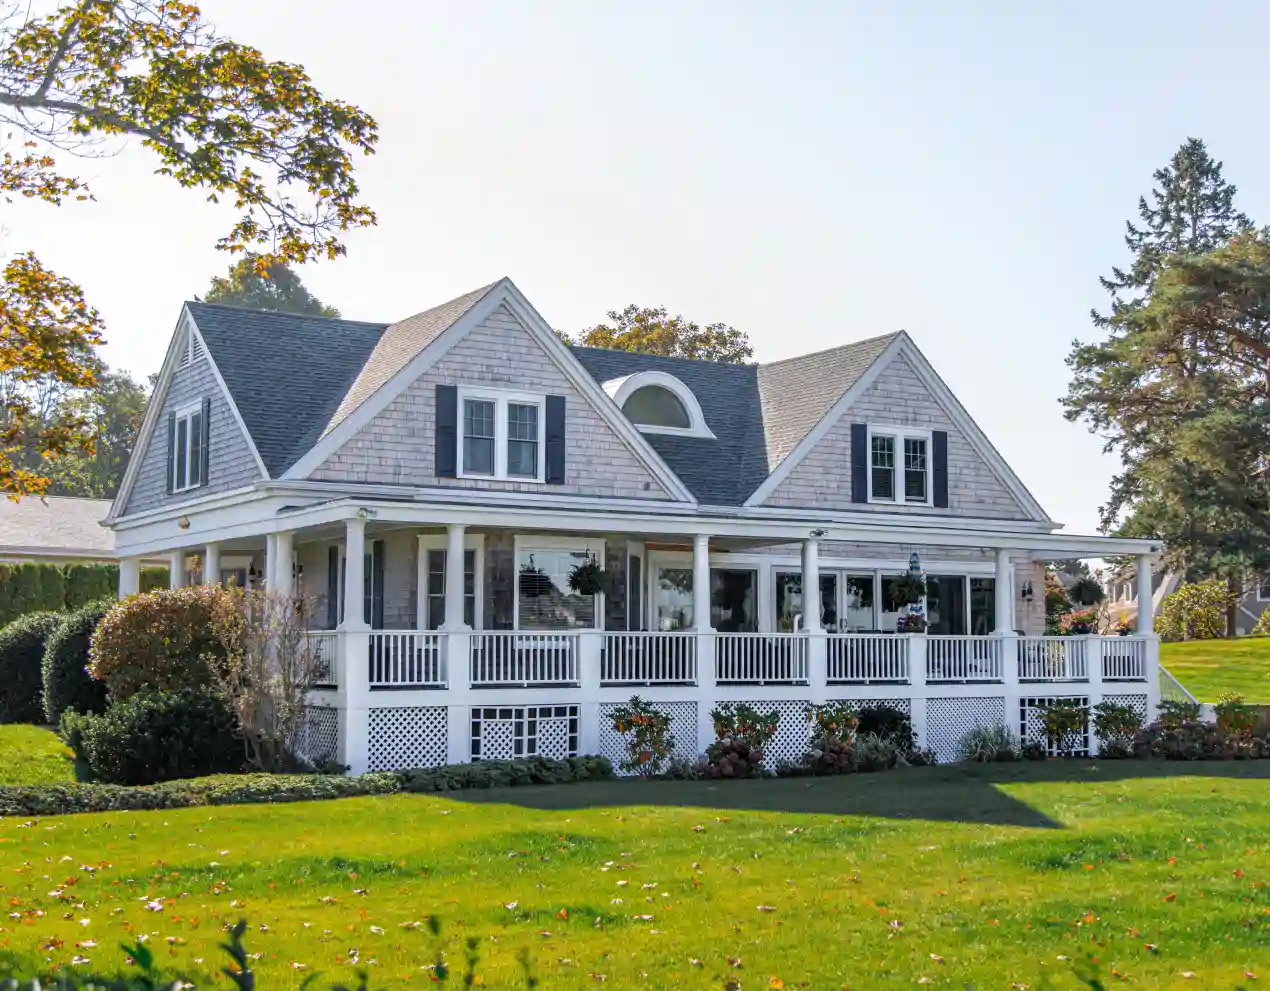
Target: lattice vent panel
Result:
[[903, 705], [1138, 703], [683, 726], [318, 738], [407, 737], [510, 732], [792, 733], [949, 719], [1031, 727]]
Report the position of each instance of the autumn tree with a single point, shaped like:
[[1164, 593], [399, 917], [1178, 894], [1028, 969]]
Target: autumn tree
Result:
[[652, 330], [217, 115], [275, 286]]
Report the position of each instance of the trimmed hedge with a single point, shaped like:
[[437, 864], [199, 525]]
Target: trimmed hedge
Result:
[[258, 789], [154, 737], [67, 683], [26, 588], [22, 645]]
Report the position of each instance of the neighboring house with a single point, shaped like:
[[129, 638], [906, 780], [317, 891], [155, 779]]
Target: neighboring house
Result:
[[55, 530], [1124, 601], [360, 462]]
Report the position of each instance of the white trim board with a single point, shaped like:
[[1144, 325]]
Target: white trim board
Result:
[[974, 436], [504, 292]]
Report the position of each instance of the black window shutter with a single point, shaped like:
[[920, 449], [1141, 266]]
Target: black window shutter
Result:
[[939, 458], [332, 587], [556, 440], [377, 584], [207, 440], [171, 452], [446, 456], [859, 462]]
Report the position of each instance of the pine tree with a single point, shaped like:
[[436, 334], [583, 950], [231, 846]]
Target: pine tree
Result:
[[276, 288]]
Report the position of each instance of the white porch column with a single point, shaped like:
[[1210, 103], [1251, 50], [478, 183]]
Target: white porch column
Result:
[[701, 583], [1146, 603], [1004, 589], [454, 554], [284, 569], [211, 564], [129, 576], [354, 675], [176, 569], [811, 585], [271, 561]]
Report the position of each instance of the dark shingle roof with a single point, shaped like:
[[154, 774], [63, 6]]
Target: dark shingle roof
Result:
[[720, 472], [287, 373], [796, 393]]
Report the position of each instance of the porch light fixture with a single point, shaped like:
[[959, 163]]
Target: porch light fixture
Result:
[[183, 522], [366, 514], [1025, 592], [252, 574], [818, 532], [297, 570]]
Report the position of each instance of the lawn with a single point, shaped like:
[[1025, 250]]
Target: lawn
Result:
[[33, 755], [1210, 667], [1000, 877]]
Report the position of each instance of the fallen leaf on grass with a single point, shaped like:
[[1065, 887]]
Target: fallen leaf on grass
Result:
[[767, 908]]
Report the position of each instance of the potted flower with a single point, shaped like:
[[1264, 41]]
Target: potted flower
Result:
[[911, 623], [588, 578], [1079, 623]]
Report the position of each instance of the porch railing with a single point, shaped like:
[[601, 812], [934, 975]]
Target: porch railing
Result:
[[1124, 659], [406, 659], [867, 659], [1172, 690], [1053, 659], [649, 659], [326, 646], [761, 659], [963, 659], [514, 658]]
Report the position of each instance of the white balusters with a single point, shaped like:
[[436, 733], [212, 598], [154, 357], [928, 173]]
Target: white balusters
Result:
[[963, 659], [1124, 659], [326, 645], [1053, 659], [761, 658], [649, 659], [406, 659], [515, 658], [867, 658]]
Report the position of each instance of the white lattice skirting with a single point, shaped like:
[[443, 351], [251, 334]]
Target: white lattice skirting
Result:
[[403, 738], [1031, 729], [683, 727], [949, 719], [511, 732], [318, 738]]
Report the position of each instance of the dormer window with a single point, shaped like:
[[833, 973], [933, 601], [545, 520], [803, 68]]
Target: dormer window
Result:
[[659, 403]]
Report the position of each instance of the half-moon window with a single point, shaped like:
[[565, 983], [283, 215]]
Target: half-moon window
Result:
[[656, 406]]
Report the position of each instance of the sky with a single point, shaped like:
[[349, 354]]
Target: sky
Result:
[[810, 173]]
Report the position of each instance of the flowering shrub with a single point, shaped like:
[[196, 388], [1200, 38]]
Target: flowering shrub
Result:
[[1116, 726], [1236, 717], [1078, 622], [646, 737], [743, 735], [832, 746]]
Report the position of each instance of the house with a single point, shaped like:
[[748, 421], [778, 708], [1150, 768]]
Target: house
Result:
[[55, 530], [1123, 599], [358, 463]]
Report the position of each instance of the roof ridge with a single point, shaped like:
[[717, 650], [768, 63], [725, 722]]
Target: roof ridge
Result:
[[285, 313], [837, 347]]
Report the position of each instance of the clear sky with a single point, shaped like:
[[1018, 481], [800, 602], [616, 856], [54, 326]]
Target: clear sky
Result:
[[809, 173]]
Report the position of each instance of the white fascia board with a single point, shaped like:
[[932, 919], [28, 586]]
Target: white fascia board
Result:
[[825, 424]]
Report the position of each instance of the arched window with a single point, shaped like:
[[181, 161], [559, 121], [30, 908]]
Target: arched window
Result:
[[659, 403], [656, 406]]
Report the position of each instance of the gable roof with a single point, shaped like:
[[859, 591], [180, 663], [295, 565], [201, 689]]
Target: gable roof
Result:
[[56, 526], [322, 356], [398, 344], [796, 393], [722, 470]]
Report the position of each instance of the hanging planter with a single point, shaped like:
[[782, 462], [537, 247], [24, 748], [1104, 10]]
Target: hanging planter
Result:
[[912, 623], [588, 578], [534, 582], [907, 590]]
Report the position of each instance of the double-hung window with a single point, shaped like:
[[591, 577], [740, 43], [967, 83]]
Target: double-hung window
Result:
[[899, 465], [187, 449], [502, 435]]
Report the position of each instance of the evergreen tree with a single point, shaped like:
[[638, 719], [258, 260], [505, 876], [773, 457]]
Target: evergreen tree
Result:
[[268, 286]]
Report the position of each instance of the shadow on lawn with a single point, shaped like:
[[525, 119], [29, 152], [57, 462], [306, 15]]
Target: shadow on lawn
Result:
[[949, 793]]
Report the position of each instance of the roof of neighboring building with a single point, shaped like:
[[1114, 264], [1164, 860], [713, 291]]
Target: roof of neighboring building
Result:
[[287, 373], [57, 526]]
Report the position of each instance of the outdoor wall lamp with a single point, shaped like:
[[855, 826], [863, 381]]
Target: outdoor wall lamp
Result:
[[818, 532], [1025, 592]]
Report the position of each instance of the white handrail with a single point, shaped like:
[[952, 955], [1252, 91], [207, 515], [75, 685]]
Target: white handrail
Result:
[[761, 658], [1172, 690], [867, 658], [1053, 659], [406, 659], [514, 657], [1124, 659], [326, 645], [963, 659], [650, 658]]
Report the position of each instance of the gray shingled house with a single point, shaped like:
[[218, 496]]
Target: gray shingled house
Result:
[[504, 537]]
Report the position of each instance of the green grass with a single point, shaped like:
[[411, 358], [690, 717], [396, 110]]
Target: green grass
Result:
[[33, 755], [1210, 667], [986, 878]]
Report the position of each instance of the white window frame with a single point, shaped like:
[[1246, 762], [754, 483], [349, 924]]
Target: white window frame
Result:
[[1262, 585], [439, 542], [530, 543], [501, 399], [621, 389], [899, 435], [183, 417]]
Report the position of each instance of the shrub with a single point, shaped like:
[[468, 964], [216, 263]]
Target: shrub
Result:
[[1116, 725], [831, 749], [1196, 740], [646, 736], [742, 735], [163, 639], [890, 724], [22, 645], [67, 683], [1236, 717], [988, 745], [875, 753], [1065, 722], [153, 736], [1173, 713], [1196, 611], [506, 773], [1033, 750]]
